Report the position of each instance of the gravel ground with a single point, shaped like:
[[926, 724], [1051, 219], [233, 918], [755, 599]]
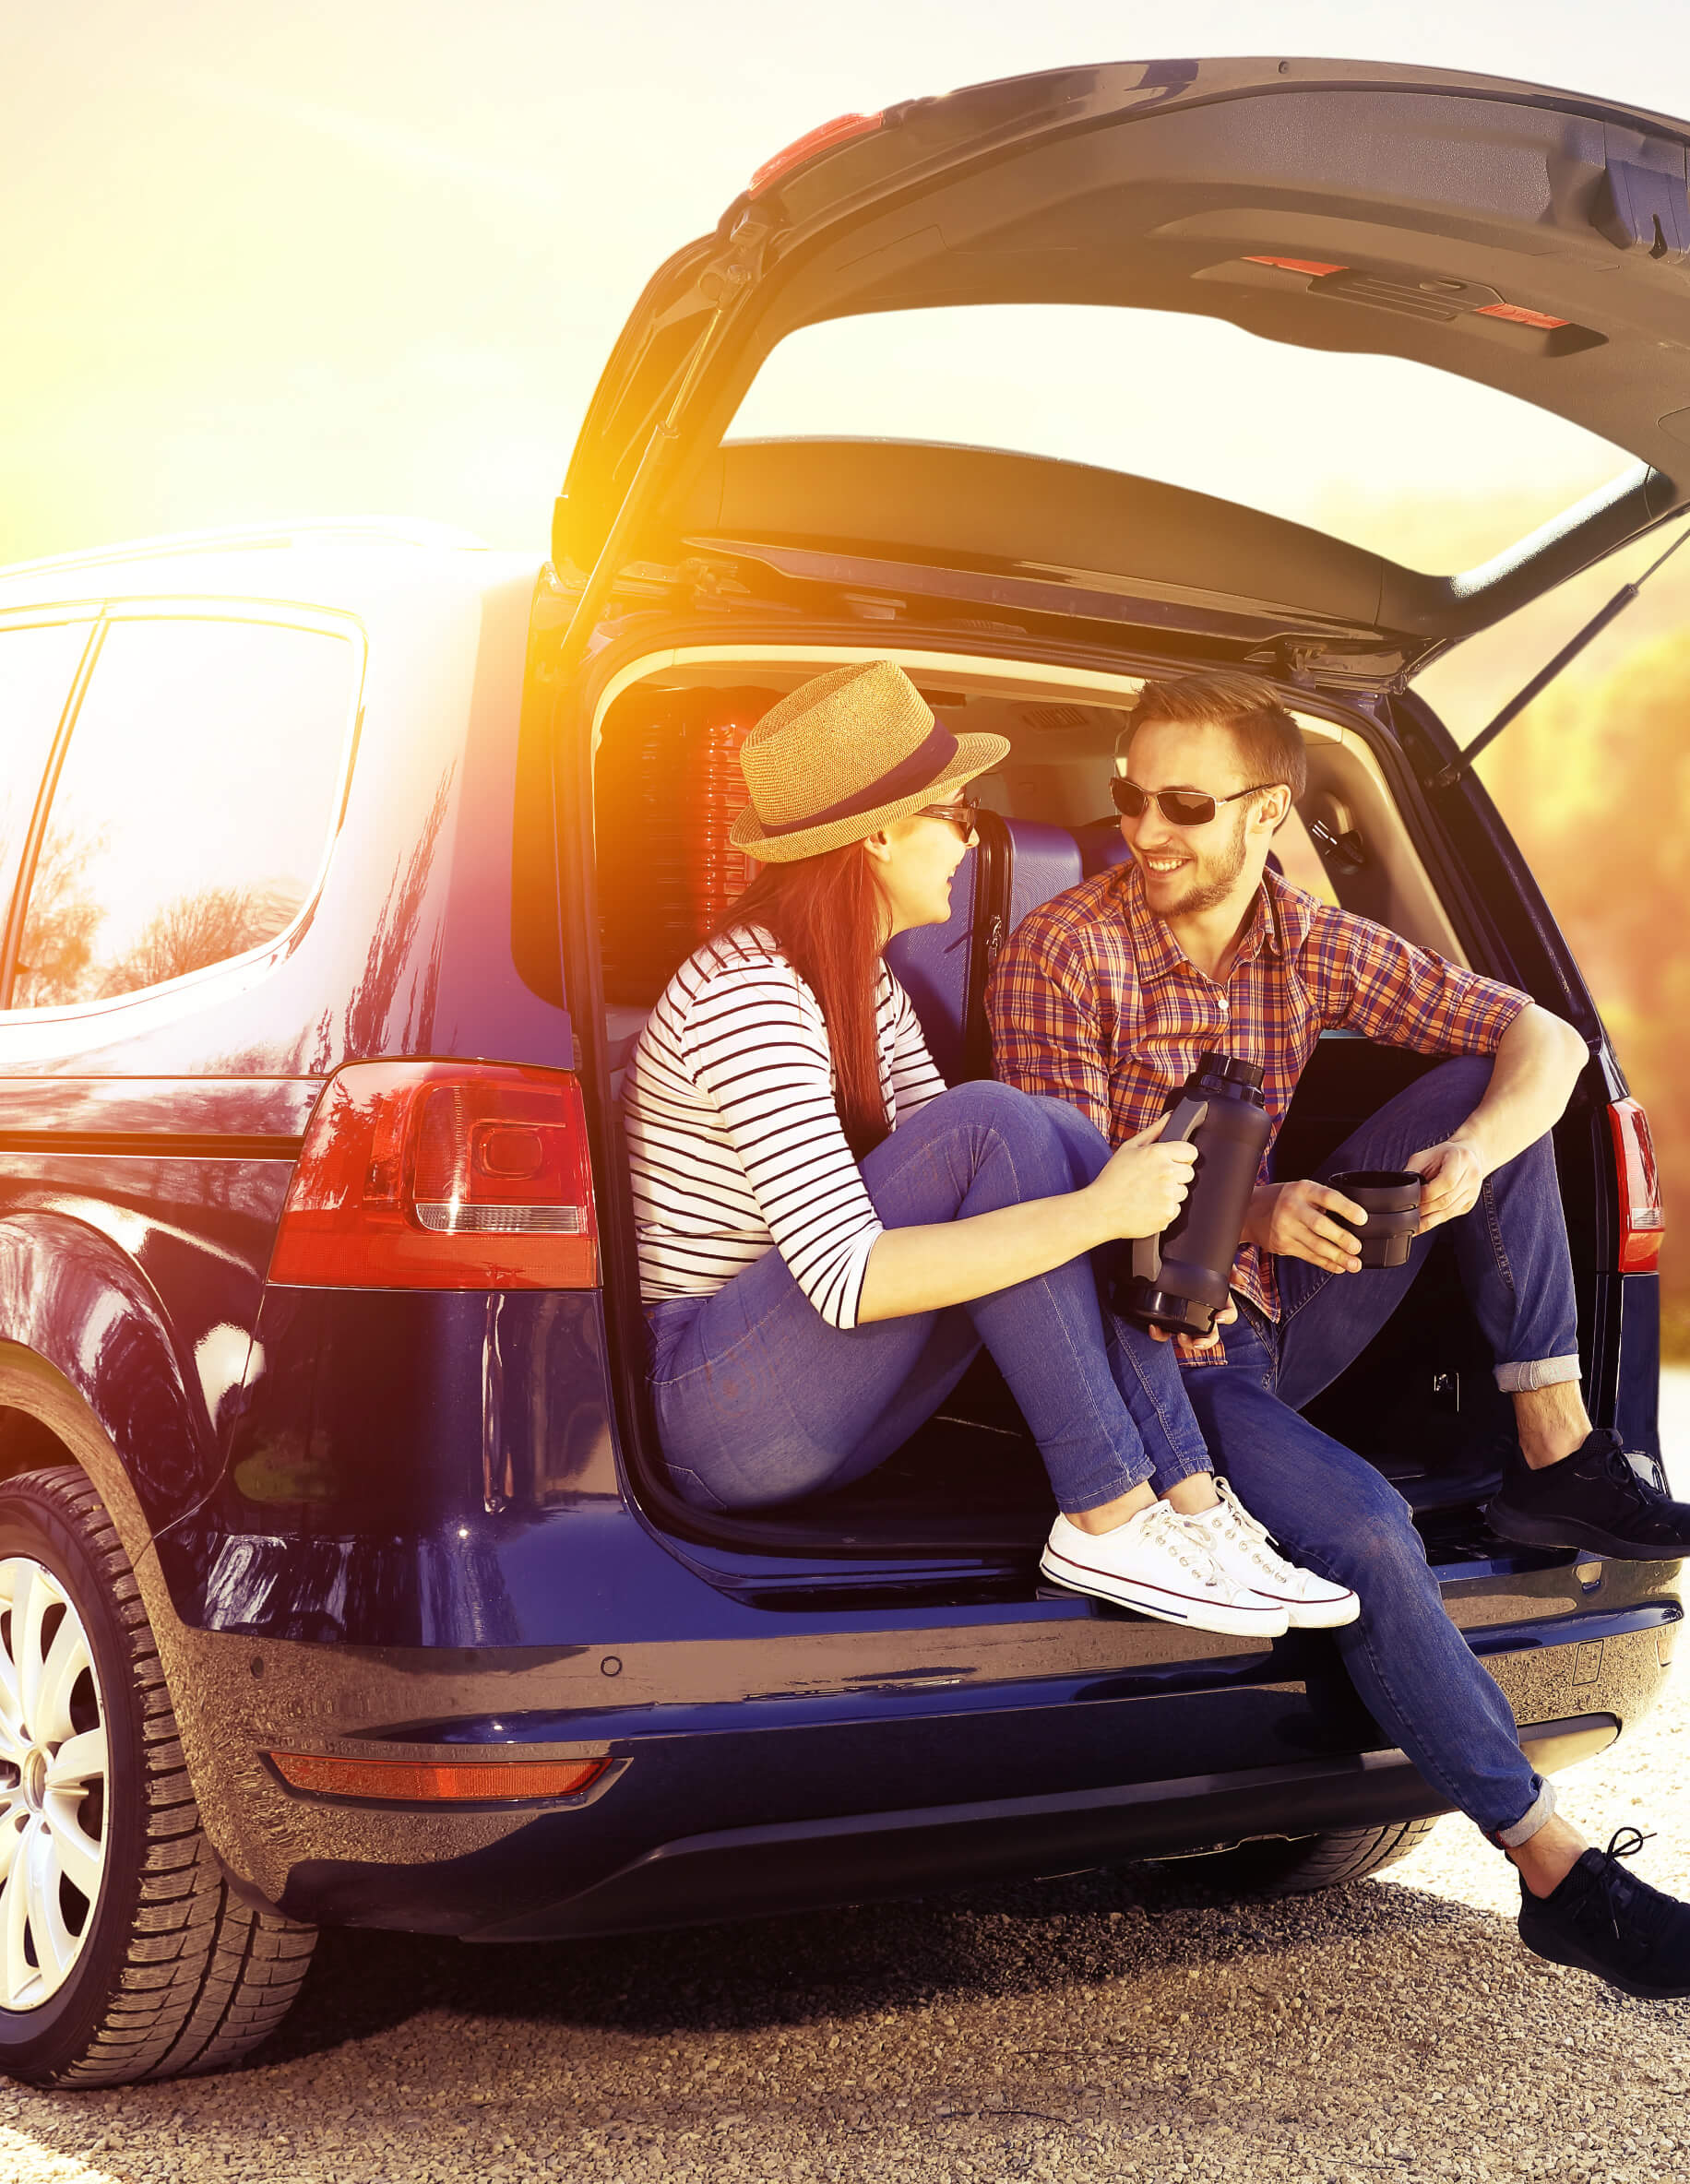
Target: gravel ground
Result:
[[1118, 2026]]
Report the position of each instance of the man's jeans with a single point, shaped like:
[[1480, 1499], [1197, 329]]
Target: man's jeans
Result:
[[1333, 1512], [758, 1400], [1511, 1250]]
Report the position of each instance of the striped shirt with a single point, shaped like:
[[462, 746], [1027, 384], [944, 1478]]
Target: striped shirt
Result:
[[1094, 1002], [733, 1134]]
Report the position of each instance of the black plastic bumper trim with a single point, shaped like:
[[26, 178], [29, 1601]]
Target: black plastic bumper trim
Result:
[[797, 1865]]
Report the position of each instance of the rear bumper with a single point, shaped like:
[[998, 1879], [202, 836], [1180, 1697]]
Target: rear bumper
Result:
[[823, 1777], [746, 1872]]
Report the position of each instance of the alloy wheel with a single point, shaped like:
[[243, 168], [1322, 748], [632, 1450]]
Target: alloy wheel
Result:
[[55, 1788]]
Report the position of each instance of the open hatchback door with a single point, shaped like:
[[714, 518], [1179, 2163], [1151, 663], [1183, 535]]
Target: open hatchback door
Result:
[[1533, 241]]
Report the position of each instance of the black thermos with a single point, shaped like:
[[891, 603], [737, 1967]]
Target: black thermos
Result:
[[1180, 1279]]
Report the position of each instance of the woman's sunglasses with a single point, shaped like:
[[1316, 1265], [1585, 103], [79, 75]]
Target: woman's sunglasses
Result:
[[1179, 807], [963, 816]]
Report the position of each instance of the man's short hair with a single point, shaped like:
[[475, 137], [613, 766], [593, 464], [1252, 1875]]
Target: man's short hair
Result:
[[1269, 741]]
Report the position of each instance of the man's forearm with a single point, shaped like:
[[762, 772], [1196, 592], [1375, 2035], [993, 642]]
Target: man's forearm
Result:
[[1532, 1076]]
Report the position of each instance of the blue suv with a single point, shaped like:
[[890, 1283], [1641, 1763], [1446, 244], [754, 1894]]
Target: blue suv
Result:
[[337, 1580]]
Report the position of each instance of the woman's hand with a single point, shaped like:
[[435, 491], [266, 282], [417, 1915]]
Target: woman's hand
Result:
[[1296, 1221], [1145, 1183]]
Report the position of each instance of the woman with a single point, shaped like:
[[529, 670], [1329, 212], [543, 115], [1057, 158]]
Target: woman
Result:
[[827, 1235]]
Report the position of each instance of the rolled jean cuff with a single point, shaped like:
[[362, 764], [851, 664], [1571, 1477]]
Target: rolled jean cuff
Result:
[[1540, 1809], [1177, 1464], [1096, 1493], [1536, 1373]]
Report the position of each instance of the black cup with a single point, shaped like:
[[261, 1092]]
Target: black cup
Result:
[[1390, 1198]]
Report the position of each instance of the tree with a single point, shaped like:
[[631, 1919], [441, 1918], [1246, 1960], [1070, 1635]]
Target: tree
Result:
[[57, 950], [196, 930]]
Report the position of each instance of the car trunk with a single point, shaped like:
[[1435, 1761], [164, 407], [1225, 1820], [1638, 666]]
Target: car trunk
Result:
[[1420, 1402], [1533, 241]]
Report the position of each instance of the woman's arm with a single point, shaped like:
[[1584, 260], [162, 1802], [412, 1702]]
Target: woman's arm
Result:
[[924, 1269]]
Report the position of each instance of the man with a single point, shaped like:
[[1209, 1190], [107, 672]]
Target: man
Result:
[[1106, 997]]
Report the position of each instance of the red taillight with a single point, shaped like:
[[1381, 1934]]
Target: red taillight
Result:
[[418, 1782], [442, 1175], [1642, 1221], [840, 130], [1317, 266]]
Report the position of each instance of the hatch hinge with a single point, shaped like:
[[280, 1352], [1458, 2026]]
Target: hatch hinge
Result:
[[714, 582], [742, 263], [1296, 661], [1644, 208]]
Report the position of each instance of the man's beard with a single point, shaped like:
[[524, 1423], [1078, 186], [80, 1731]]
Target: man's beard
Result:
[[1216, 876]]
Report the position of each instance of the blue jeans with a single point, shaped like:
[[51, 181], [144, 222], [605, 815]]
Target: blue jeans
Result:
[[1333, 1512], [758, 1400], [1511, 1251]]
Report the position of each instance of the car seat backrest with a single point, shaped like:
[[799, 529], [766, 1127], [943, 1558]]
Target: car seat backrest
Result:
[[933, 964], [1019, 864], [1101, 847]]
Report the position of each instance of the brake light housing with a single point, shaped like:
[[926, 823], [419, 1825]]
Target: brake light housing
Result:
[[1642, 1227], [827, 137], [437, 1782], [442, 1175]]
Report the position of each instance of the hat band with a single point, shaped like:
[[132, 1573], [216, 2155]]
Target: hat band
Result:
[[924, 764]]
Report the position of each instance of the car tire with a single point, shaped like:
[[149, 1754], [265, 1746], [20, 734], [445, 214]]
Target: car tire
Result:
[[1306, 1863], [122, 1953]]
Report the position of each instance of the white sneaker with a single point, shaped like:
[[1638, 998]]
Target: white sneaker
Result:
[[1163, 1564], [1246, 1551]]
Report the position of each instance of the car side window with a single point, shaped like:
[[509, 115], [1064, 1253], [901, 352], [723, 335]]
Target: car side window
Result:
[[38, 664], [196, 800]]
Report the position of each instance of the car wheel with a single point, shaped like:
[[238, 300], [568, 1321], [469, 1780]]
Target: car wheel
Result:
[[1304, 1864], [122, 1953]]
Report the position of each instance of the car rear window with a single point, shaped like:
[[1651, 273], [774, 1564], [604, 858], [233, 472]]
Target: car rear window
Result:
[[202, 781], [1435, 472]]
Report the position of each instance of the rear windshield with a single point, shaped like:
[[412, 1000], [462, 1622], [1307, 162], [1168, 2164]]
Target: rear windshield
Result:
[[1437, 473]]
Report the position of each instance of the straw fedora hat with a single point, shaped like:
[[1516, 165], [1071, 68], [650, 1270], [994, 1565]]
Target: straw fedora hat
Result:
[[846, 753]]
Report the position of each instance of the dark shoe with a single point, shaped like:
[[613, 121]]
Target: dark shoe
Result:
[[1591, 1499], [1605, 1920]]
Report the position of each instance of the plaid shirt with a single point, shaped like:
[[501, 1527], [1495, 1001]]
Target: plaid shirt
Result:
[[1094, 1002]]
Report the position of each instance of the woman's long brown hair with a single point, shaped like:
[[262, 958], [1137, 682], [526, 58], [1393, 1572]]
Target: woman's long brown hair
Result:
[[826, 914]]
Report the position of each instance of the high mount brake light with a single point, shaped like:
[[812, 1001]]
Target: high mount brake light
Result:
[[839, 130], [442, 1175], [1642, 1218]]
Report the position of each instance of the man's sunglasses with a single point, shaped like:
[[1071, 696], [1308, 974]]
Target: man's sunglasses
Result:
[[1179, 807], [963, 816]]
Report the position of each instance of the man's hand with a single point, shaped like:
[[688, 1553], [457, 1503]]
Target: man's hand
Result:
[[1187, 1347], [1453, 1177], [1296, 1221]]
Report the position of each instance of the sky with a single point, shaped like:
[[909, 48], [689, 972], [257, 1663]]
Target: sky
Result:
[[324, 259]]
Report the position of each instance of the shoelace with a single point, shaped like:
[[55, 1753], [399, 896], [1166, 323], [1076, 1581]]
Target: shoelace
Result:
[[1164, 1517], [1656, 1514], [1619, 1468], [1252, 1541], [1619, 1891], [1252, 1547]]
